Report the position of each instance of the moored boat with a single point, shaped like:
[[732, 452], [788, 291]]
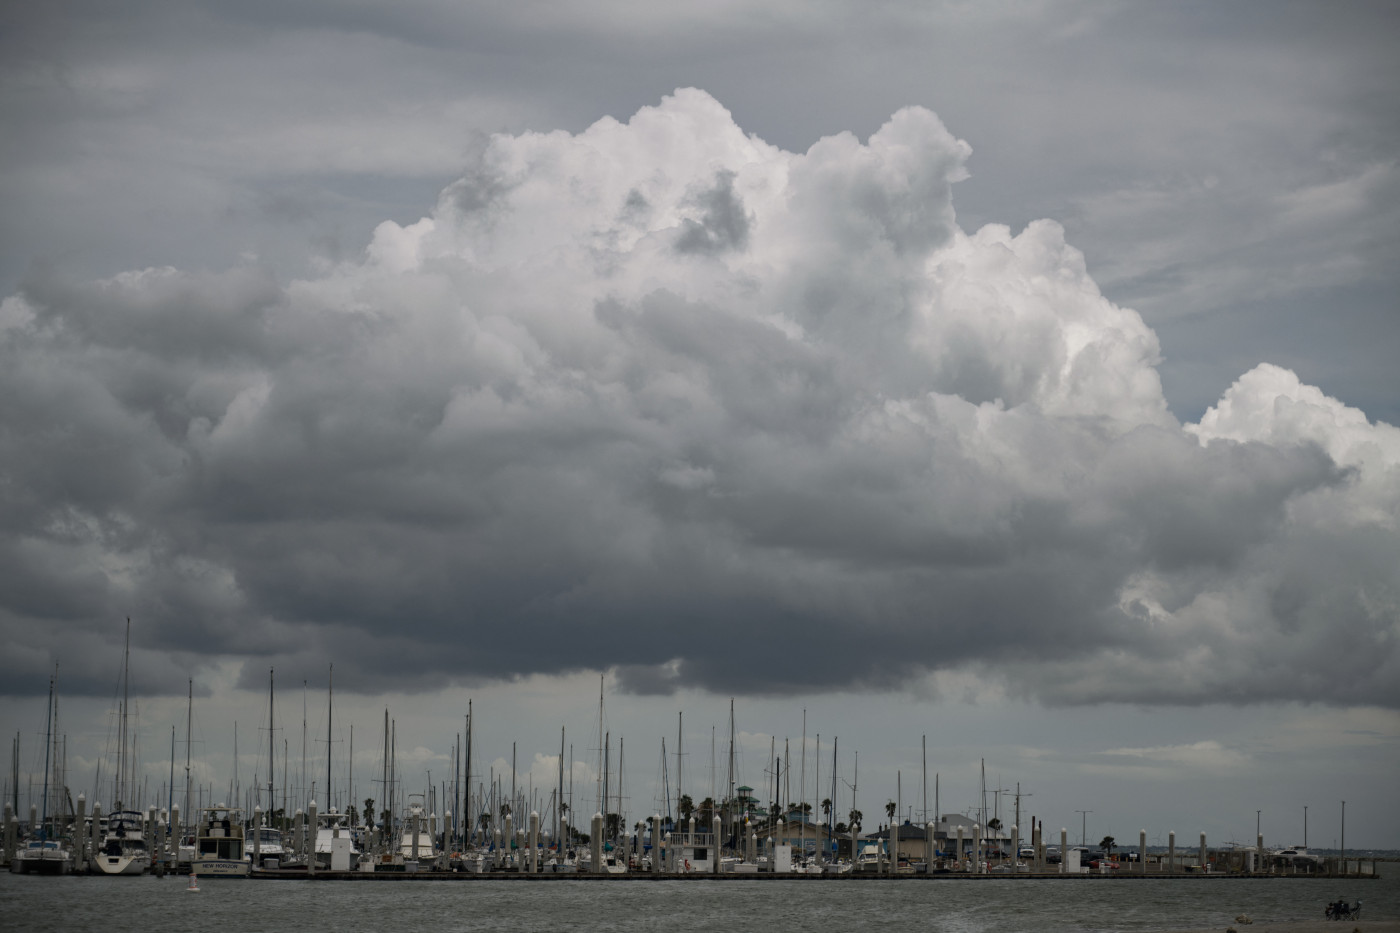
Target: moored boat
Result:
[[123, 850], [219, 845]]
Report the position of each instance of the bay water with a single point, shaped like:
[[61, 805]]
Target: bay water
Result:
[[155, 905]]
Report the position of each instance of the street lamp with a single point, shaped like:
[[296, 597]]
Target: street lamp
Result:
[[1084, 822]]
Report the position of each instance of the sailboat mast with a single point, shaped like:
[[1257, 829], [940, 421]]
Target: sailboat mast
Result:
[[680, 762], [330, 705], [271, 747], [48, 736], [189, 720], [559, 807], [467, 796], [121, 732]]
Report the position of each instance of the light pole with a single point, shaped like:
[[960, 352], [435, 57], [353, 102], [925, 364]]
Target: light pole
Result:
[[1084, 823]]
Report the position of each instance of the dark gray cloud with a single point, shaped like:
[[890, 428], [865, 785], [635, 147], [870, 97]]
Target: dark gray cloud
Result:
[[526, 434]]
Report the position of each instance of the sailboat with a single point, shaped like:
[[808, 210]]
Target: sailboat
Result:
[[45, 853], [123, 850]]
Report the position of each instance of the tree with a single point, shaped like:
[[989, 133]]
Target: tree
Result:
[[839, 829], [685, 806], [1107, 844], [855, 817], [889, 810], [369, 811], [826, 808]]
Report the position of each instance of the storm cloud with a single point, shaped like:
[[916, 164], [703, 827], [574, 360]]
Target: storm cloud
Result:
[[662, 397]]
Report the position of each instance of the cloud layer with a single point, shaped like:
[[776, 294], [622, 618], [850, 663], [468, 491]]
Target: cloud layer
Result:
[[663, 397]]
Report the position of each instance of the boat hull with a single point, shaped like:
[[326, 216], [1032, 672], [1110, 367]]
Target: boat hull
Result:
[[122, 864], [220, 868], [41, 866]]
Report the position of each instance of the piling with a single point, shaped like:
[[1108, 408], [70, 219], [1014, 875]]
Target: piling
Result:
[[79, 849], [960, 845], [1142, 850], [1260, 863], [977, 849], [715, 857], [930, 847], [257, 837], [595, 843], [96, 836], [1171, 851], [9, 850], [175, 834], [311, 840], [1064, 850], [894, 845], [1015, 847], [1205, 865], [534, 841]]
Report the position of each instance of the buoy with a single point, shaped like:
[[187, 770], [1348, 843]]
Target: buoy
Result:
[[194, 883]]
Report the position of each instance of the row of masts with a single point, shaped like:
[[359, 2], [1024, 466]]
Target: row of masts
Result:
[[475, 803]]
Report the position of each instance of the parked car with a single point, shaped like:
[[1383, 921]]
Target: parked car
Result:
[[1052, 855], [1103, 862], [1026, 852]]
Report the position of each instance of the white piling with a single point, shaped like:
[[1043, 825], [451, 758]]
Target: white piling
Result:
[[772, 856], [96, 835], [534, 842], [9, 840], [79, 849], [257, 837], [1015, 846], [976, 849], [311, 839], [714, 857], [1260, 863], [960, 845], [149, 830], [1064, 849], [894, 846], [509, 834], [499, 854], [930, 847], [753, 848], [656, 842], [175, 834], [595, 843]]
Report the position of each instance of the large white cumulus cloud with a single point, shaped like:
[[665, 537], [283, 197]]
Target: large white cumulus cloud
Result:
[[664, 397]]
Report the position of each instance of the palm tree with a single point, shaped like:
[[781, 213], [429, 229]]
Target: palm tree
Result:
[[889, 810], [685, 806], [826, 808], [855, 817], [1107, 844]]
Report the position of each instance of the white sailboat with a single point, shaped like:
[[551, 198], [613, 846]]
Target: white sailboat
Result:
[[45, 852], [123, 850]]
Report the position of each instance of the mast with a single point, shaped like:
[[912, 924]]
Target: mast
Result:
[[602, 763], [467, 797], [271, 746], [680, 763], [48, 736], [330, 704], [729, 800], [189, 720], [121, 732], [384, 785], [834, 743], [802, 791], [559, 807], [923, 801]]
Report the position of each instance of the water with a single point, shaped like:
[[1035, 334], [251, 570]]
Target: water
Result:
[[152, 905]]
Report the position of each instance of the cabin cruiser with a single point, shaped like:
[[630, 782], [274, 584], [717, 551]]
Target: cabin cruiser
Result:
[[335, 847], [219, 844], [123, 850], [265, 843]]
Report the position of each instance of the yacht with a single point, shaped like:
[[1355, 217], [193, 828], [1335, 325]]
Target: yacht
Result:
[[43, 856], [219, 845], [123, 850], [265, 843]]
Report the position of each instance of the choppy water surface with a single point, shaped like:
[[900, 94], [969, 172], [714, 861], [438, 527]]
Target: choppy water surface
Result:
[[151, 905]]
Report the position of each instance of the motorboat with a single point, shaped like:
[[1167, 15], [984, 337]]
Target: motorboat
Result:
[[123, 850], [219, 845]]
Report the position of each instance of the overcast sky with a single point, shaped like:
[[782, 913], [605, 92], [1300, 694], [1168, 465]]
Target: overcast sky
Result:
[[1018, 375]]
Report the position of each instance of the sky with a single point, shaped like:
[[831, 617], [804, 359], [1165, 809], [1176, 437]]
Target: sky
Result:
[[997, 382]]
